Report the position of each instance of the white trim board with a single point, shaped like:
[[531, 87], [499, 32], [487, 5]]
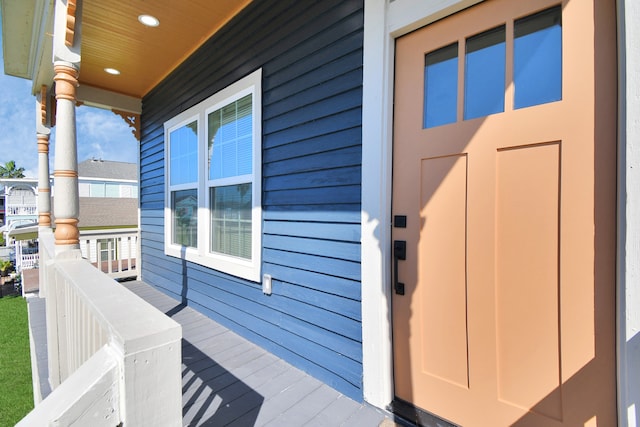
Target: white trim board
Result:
[[628, 245]]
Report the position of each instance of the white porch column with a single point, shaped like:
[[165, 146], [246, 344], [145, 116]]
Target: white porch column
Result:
[[44, 187], [43, 131], [66, 65], [66, 161]]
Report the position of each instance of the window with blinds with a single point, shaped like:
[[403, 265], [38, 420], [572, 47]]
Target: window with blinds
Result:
[[213, 207]]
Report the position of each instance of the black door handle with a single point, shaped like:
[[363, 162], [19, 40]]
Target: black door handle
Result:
[[399, 254]]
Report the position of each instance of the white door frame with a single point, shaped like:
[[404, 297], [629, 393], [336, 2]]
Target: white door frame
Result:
[[628, 245], [384, 21]]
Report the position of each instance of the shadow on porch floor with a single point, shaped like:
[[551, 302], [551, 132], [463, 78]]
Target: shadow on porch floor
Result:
[[226, 380]]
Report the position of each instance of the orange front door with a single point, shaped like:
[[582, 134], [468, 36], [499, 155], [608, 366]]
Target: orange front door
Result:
[[504, 209]]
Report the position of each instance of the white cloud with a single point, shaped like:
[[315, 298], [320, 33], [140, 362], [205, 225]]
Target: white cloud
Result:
[[103, 134], [99, 133]]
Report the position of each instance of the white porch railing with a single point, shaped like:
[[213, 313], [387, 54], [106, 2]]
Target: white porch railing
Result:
[[114, 252], [22, 210], [113, 358], [28, 261]]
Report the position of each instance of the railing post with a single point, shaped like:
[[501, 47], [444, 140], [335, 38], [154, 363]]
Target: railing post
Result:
[[86, 311], [47, 274]]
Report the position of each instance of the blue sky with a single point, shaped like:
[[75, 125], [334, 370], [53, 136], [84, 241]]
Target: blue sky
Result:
[[100, 133]]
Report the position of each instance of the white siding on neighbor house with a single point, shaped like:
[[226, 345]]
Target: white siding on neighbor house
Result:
[[108, 189], [21, 196]]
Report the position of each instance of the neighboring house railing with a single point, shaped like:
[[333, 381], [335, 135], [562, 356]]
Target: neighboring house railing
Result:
[[28, 261], [114, 252], [22, 210], [113, 358]]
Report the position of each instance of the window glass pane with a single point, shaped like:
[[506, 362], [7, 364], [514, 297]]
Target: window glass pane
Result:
[[112, 190], [484, 73], [441, 86], [231, 220], [184, 209], [537, 70], [104, 249], [97, 189], [183, 149], [230, 139]]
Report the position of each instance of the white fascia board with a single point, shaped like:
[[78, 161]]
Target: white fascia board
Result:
[[100, 98], [17, 33], [43, 51], [408, 15], [26, 45]]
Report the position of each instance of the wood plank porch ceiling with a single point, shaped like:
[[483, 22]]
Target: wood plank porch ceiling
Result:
[[112, 37]]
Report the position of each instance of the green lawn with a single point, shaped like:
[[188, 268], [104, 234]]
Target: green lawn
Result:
[[16, 390]]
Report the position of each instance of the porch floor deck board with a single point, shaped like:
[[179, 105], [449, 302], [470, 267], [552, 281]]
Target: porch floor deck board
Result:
[[229, 381]]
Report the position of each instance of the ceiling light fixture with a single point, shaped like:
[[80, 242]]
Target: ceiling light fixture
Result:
[[112, 71], [148, 20]]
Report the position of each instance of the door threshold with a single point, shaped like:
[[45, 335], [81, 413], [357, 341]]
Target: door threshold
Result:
[[411, 415]]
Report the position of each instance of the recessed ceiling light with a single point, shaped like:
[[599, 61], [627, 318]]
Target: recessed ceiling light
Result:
[[112, 71], [148, 20]]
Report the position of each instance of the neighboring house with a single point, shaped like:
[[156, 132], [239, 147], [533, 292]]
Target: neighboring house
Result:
[[108, 205], [20, 201], [108, 193], [428, 205]]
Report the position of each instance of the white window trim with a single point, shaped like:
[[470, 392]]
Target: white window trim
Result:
[[247, 269]]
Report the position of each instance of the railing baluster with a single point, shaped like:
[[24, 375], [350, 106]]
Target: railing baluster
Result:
[[109, 256], [119, 252]]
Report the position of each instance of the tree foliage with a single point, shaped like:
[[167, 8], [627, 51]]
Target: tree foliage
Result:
[[9, 170]]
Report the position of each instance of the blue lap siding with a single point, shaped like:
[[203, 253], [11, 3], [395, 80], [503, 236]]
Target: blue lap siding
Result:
[[311, 57]]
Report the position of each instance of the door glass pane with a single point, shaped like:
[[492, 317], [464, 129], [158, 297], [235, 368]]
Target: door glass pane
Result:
[[184, 209], [231, 220], [537, 71], [485, 73], [441, 86], [230, 139], [183, 152]]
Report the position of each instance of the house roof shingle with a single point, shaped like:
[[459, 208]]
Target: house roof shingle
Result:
[[106, 169]]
